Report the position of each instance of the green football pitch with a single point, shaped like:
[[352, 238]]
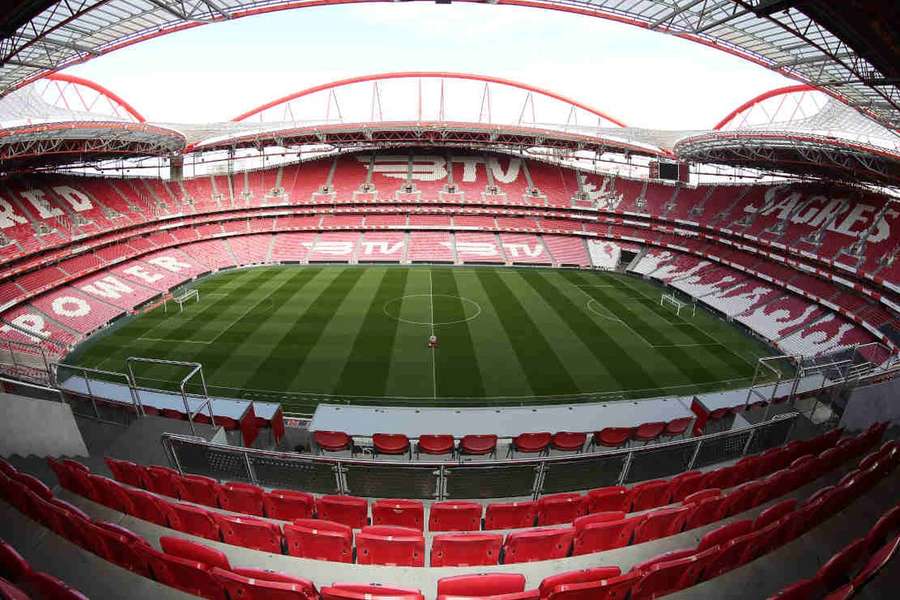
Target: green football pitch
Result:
[[307, 334]]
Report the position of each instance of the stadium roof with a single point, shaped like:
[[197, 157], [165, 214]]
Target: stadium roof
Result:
[[63, 120], [847, 48]]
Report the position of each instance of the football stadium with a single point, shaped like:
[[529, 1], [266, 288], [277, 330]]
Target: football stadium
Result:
[[449, 334]]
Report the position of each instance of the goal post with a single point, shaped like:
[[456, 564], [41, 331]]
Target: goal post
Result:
[[180, 299], [669, 300]]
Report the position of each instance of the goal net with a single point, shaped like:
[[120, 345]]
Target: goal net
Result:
[[670, 301], [181, 299]]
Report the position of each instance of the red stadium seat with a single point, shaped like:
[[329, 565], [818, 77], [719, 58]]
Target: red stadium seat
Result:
[[320, 540], [186, 575], [802, 590], [161, 480], [353, 591], [10, 471], [44, 586], [724, 534], [560, 508], [10, 592], [193, 551], [486, 584], [531, 443], [568, 441], [392, 546], [582, 576], [127, 472], [332, 441], [774, 513], [743, 497], [438, 444], [733, 553], [465, 549], [613, 437], [198, 489], [352, 512], [885, 529], [244, 587], [34, 484], [660, 523], [399, 513], [603, 531], [390, 443], [288, 505], [649, 494], [648, 432], [706, 511], [250, 532], [841, 567], [539, 544], [510, 515], [677, 427], [120, 546], [111, 493], [456, 516], [609, 499], [192, 519], [148, 507], [243, 498], [478, 444], [669, 575], [615, 588], [12, 566]]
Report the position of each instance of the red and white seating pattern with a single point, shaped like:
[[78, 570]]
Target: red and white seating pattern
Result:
[[333, 246], [116, 290], [292, 247], [604, 254], [569, 251], [76, 310], [426, 246], [522, 248], [382, 246], [479, 248]]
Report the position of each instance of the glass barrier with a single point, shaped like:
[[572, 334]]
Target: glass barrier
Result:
[[475, 479]]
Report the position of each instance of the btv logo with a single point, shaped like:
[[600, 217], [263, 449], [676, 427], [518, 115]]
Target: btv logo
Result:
[[428, 167], [381, 247]]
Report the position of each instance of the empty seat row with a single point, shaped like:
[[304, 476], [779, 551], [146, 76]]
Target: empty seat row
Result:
[[854, 566], [206, 572], [322, 539], [486, 444], [288, 505], [19, 581]]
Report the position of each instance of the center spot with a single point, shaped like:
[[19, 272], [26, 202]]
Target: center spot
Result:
[[432, 309]]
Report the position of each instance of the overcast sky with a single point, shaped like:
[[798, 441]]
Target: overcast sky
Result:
[[644, 78]]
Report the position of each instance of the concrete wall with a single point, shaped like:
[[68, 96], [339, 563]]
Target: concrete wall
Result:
[[872, 403], [39, 427]]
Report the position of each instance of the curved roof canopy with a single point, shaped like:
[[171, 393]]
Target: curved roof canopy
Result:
[[841, 47]]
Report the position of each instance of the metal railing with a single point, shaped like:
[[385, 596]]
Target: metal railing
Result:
[[477, 479], [195, 370]]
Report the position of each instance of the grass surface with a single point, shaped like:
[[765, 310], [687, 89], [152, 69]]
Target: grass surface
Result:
[[300, 335]]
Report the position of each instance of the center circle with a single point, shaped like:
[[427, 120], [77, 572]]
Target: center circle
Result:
[[426, 309]]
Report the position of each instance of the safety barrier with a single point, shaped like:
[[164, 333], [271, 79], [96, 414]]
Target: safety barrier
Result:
[[478, 479]]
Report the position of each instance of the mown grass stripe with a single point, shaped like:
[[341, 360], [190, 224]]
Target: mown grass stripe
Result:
[[237, 362], [286, 357], [178, 328], [366, 369], [625, 369], [686, 362], [455, 354], [546, 374], [723, 353]]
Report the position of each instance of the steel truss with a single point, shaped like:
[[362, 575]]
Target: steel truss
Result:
[[40, 144], [440, 134], [786, 40], [791, 153]]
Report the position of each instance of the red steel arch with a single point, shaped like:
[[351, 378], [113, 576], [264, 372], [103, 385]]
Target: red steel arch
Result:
[[100, 90], [791, 89], [426, 75]]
